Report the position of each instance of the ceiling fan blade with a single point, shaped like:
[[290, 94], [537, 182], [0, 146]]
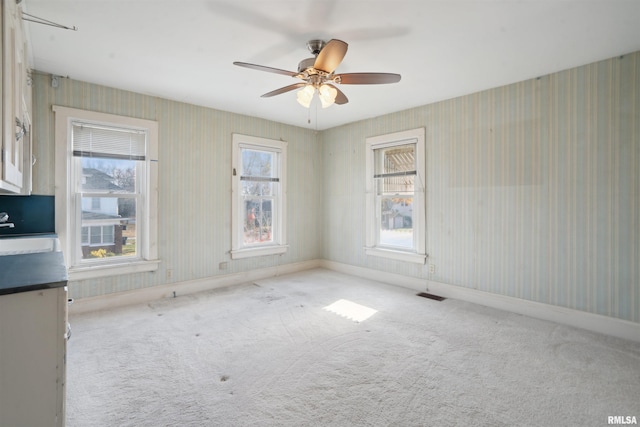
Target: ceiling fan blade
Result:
[[341, 98], [368, 78], [283, 90], [264, 68], [331, 56]]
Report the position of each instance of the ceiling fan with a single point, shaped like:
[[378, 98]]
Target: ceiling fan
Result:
[[318, 74]]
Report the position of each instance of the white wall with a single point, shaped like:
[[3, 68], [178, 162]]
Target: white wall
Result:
[[533, 189]]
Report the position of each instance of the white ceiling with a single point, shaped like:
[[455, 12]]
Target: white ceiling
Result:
[[184, 49]]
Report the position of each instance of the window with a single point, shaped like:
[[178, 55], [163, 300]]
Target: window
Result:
[[395, 218], [106, 192], [100, 235], [95, 202], [259, 191]]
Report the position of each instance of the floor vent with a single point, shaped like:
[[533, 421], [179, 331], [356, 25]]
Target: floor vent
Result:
[[431, 296]]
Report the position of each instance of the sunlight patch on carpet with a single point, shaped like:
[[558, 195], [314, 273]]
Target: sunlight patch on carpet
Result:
[[351, 310]]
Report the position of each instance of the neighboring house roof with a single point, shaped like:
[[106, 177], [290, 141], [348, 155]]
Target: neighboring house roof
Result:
[[98, 180], [97, 218], [93, 216]]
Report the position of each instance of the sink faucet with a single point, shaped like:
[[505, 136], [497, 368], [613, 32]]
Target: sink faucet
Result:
[[4, 217]]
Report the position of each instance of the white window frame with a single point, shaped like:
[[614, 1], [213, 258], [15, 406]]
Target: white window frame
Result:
[[418, 253], [69, 223], [278, 245]]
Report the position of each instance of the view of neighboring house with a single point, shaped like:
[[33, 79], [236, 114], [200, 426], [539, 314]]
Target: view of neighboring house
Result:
[[397, 214], [102, 222]]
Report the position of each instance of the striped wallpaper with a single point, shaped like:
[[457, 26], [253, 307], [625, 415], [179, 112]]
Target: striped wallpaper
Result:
[[533, 189], [194, 181]]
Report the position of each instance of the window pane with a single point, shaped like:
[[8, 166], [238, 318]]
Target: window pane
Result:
[[107, 234], [258, 224], [111, 230], [103, 175], [396, 222], [257, 188], [257, 163], [395, 178], [96, 235]]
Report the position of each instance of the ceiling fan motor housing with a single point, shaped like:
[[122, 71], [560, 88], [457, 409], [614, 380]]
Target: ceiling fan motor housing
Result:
[[315, 46], [306, 65]]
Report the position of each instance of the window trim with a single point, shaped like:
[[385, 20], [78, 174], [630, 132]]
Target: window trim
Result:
[[66, 219], [279, 245], [418, 255]]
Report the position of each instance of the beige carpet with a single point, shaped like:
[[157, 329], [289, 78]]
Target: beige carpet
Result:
[[270, 354]]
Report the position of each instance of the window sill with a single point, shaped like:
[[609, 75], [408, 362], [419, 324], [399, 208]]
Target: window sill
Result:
[[260, 251], [106, 270], [397, 255]]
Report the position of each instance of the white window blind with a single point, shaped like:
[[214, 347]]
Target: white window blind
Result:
[[395, 161], [90, 140]]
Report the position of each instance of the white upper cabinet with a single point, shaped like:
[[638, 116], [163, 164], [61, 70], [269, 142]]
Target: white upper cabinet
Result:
[[16, 158]]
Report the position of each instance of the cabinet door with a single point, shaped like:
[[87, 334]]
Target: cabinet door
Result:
[[32, 358], [13, 83]]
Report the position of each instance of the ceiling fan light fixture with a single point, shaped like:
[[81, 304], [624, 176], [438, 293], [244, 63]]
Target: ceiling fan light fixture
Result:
[[305, 95], [318, 74], [327, 95]]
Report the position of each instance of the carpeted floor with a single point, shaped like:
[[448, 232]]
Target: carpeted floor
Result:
[[270, 354]]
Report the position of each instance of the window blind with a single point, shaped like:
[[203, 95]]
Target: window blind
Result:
[[259, 179], [91, 140], [395, 161], [394, 174]]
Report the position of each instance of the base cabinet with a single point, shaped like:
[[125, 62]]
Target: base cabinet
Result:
[[33, 358]]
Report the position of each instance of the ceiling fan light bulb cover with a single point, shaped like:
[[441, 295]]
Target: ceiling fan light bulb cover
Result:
[[327, 95], [305, 95]]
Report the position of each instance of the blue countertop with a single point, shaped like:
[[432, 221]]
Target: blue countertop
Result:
[[32, 272]]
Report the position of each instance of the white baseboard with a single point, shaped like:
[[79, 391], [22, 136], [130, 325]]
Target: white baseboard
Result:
[[566, 316], [140, 296]]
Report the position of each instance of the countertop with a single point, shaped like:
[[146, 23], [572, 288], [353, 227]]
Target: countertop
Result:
[[32, 272]]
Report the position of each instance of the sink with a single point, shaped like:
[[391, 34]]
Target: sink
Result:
[[29, 245]]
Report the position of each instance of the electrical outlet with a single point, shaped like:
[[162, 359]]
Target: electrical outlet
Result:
[[432, 269], [169, 273], [223, 265]]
